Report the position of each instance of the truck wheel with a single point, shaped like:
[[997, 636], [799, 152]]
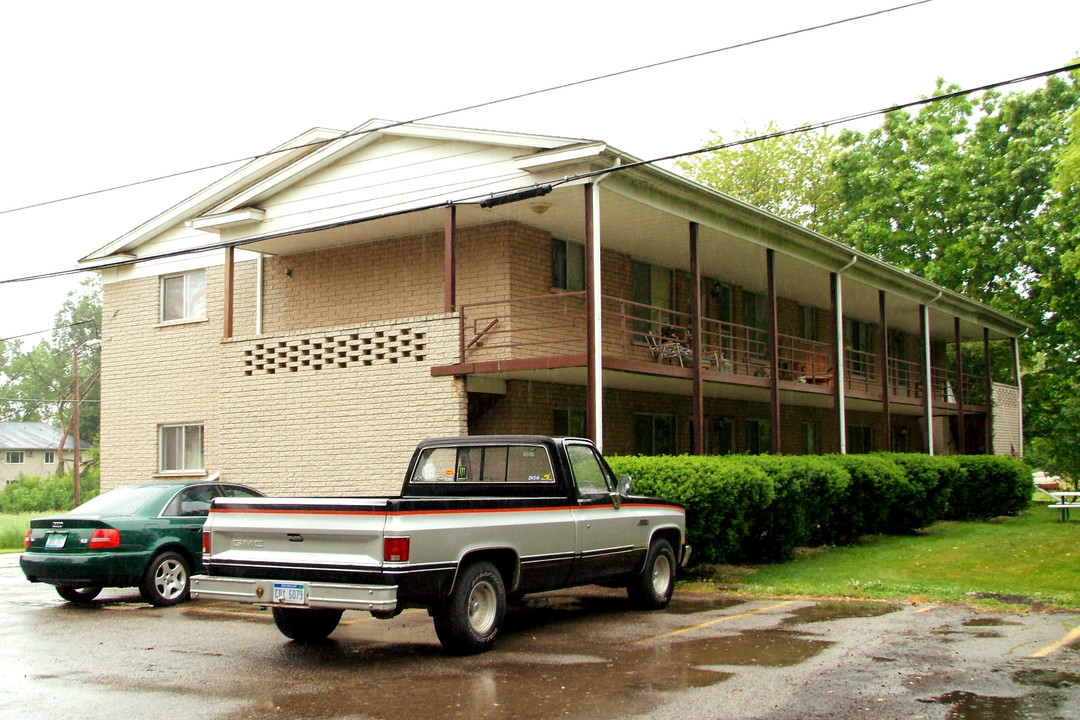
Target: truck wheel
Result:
[[304, 625], [652, 588], [78, 594], [468, 621], [167, 580]]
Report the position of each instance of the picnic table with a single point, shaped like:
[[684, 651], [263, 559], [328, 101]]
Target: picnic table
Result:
[[1063, 501]]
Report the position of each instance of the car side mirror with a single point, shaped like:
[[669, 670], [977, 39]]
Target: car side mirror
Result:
[[624, 483]]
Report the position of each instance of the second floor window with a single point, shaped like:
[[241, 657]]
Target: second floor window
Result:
[[183, 297], [567, 265]]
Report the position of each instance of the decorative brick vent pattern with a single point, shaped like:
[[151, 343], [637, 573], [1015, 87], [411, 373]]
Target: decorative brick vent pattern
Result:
[[372, 347]]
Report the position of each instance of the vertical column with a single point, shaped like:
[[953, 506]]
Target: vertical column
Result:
[[959, 389], [449, 259], [1015, 343], [259, 271], [698, 344], [989, 393], [838, 362], [227, 315], [928, 379], [595, 390], [883, 363], [774, 351]]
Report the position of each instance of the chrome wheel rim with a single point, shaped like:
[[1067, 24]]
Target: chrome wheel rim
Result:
[[170, 579], [482, 608], [661, 575]]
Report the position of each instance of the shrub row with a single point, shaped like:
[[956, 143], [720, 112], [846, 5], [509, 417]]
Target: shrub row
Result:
[[28, 494], [760, 508]]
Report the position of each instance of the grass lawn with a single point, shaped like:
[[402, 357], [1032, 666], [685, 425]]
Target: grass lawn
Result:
[[13, 530], [1029, 561]]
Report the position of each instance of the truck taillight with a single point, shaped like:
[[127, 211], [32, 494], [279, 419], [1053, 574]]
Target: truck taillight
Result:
[[105, 538], [206, 542], [396, 549]]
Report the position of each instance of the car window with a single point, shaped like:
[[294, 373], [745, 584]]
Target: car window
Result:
[[588, 473], [192, 501], [121, 501], [239, 491], [528, 463], [485, 463], [436, 465]]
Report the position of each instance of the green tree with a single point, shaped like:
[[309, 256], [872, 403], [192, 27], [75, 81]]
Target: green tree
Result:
[[788, 175], [978, 194], [36, 385]]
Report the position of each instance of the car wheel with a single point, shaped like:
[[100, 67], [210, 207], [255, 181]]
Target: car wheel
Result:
[[652, 588], [167, 580], [305, 625], [468, 621], [78, 594]]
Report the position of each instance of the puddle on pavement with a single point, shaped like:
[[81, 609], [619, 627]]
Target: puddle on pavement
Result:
[[840, 610], [586, 681], [969, 706], [989, 622], [1056, 679]]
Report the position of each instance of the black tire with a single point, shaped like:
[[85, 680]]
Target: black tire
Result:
[[305, 624], [653, 587], [468, 621], [78, 594], [167, 580]]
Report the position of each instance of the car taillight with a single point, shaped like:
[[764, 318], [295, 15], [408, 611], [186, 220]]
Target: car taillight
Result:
[[26, 542], [105, 538], [396, 549], [206, 542]]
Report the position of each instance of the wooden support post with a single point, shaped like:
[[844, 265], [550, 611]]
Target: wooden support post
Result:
[[1015, 343], [928, 380], [959, 389], [989, 402], [883, 362], [227, 315], [449, 264], [698, 341], [774, 352]]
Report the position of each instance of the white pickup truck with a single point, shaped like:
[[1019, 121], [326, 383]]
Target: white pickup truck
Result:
[[478, 519]]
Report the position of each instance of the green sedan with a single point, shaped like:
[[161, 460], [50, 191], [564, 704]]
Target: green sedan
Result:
[[147, 536]]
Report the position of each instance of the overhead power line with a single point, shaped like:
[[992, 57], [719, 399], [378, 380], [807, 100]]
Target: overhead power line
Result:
[[52, 329], [436, 191], [467, 108]]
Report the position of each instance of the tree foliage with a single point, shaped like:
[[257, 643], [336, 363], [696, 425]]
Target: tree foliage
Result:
[[980, 194], [36, 384]]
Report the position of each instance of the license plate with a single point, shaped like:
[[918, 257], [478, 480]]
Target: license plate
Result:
[[290, 594], [55, 541]]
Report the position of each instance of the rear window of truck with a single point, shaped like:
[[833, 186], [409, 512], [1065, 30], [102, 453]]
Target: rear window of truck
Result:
[[484, 463]]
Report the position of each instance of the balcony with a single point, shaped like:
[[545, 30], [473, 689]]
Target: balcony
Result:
[[549, 331]]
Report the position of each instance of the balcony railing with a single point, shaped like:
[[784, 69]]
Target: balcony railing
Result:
[[551, 325]]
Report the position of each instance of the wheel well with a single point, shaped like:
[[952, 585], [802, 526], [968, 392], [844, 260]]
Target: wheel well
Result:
[[673, 536], [176, 548], [505, 561]]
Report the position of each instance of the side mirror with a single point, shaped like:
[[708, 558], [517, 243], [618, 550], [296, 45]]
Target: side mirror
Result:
[[624, 483]]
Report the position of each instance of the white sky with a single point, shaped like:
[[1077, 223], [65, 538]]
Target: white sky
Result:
[[107, 93]]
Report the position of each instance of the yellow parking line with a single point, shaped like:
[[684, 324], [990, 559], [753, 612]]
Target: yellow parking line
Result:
[[715, 621], [1070, 638]]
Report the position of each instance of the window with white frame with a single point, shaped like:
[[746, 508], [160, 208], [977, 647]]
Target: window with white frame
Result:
[[183, 297], [50, 457], [181, 448], [14, 457]]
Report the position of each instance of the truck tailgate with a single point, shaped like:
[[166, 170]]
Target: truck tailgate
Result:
[[290, 532]]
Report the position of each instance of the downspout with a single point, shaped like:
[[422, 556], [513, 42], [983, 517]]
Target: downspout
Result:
[[595, 338], [841, 380]]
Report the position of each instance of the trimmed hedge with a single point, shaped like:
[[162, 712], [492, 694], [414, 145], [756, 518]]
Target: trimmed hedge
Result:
[[760, 508]]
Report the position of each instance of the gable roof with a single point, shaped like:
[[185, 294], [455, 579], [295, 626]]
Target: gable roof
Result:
[[33, 436], [296, 159]]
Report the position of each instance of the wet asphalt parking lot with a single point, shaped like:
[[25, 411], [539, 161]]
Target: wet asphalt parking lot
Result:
[[574, 654]]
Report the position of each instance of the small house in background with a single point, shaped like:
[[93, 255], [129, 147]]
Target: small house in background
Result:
[[32, 449], [300, 324]]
